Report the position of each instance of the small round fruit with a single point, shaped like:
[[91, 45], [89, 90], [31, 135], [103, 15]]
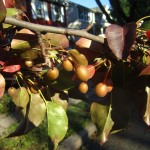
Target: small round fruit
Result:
[[101, 89], [52, 73], [109, 84], [83, 87], [67, 65], [29, 63], [12, 91], [82, 73]]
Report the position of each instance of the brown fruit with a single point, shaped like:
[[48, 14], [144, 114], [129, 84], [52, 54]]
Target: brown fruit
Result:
[[83, 87], [67, 65], [109, 84], [82, 73], [12, 91], [53, 73], [101, 89], [29, 63]]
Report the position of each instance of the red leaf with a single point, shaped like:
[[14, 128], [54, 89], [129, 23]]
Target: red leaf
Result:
[[148, 34], [2, 85], [11, 69], [145, 71], [92, 45], [91, 70], [115, 38], [9, 3], [2, 63], [2, 11], [130, 30]]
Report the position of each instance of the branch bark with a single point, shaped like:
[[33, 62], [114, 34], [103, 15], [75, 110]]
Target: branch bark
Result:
[[104, 11], [44, 29]]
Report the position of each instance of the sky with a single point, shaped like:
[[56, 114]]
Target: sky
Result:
[[90, 3]]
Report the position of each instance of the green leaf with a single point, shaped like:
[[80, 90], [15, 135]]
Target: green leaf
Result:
[[37, 109], [56, 39], [24, 39], [2, 11], [21, 97], [57, 122], [101, 117], [147, 111], [79, 58], [63, 82], [61, 98], [11, 12]]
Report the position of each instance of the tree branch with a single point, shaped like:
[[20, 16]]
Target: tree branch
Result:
[[104, 11], [44, 29]]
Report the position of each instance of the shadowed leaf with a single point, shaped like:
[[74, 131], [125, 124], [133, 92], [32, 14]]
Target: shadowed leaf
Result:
[[57, 122], [145, 71], [130, 30], [63, 82], [101, 117]]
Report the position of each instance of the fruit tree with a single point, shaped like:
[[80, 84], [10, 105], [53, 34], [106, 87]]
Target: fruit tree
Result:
[[113, 73]]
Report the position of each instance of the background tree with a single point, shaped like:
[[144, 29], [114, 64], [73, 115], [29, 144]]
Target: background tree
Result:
[[125, 11]]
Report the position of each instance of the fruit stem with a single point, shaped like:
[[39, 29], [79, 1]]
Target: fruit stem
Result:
[[109, 67], [98, 64]]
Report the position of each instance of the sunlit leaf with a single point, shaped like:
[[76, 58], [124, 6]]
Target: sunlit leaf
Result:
[[57, 122], [84, 43], [147, 111], [115, 39], [57, 39], [11, 69], [37, 109], [79, 58], [2, 11], [91, 45], [145, 71], [24, 39], [61, 98], [11, 12], [2, 85], [21, 97], [101, 117]]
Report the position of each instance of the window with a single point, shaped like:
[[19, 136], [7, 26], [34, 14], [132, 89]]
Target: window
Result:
[[57, 13], [39, 9], [84, 14], [98, 18]]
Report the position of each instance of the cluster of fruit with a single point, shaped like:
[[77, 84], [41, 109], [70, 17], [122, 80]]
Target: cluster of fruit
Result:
[[83, 74]]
